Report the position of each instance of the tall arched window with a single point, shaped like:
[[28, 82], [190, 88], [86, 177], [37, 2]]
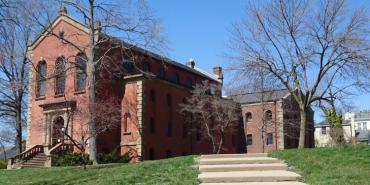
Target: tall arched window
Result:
[[41, 79], [161, 73], [175, 78], [248, 117], [146, 67], [268, 115], [80, 81], [60, 76], [126, 121]]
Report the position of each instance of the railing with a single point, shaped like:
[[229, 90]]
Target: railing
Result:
[[60, 149], [28, 154]]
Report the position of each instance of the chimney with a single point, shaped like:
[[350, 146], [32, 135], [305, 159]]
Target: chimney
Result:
[[191, 63], [218, 72]]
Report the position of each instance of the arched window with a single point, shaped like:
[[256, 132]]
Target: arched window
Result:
[[268, 115], [189, 82], [128, 65], [60, 76], [161, 73], [126, 121], [248, 117], [175, 78], [146, 67], [80, 82], [41, 79]]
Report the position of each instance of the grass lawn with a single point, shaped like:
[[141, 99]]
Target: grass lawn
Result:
[[337, 166], [178, 170]]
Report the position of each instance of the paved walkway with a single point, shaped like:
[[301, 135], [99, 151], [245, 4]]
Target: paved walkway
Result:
[[244, 169]]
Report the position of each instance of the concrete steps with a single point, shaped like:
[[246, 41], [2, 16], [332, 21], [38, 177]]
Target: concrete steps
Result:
[[36, 162], [244, 169], [248, 176], [234, 155], [238, 160], [257, 183]]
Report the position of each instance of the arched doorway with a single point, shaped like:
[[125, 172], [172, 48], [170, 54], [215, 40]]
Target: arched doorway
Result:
[[57, 133]]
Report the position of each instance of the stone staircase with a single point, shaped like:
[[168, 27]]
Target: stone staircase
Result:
[[38, 161], [244, 169]]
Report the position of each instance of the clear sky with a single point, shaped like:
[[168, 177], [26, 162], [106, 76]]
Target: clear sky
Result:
[[199, 29]]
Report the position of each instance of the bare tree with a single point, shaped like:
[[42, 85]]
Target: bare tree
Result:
[[15, 32], [306, 46], [214, 116], [133, 26]]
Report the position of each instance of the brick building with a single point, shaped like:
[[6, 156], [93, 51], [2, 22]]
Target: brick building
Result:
[[148, 95], [272, 124]]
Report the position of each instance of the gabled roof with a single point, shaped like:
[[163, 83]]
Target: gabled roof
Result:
[[256, 97], [60, 18], [83, 27]]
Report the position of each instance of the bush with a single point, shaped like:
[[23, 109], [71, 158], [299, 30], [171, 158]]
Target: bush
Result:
[[3, 164], [70, 159], [113, 157]]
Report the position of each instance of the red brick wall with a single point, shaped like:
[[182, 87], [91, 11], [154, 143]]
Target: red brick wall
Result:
[[255, 126]]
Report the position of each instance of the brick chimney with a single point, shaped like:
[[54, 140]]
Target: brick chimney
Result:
[[190, 63], [218, 72]]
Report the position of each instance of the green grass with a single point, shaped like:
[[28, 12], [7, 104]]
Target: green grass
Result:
[[336, 166], [180, 170]]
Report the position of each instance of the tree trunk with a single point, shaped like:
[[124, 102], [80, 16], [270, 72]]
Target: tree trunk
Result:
[[91, 114], [221, 142], [18, 128], [91, 64], [302, 130]]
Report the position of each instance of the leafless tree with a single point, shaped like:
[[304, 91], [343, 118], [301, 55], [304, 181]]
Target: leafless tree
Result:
[[130, 22], [15, 32], [213, 116], [306, 46]]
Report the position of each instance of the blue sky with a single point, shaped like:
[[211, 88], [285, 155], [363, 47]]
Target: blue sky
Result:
[[199, 29]]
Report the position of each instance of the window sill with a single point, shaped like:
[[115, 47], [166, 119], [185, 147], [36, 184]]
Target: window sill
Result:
[[58, 95], [40, 98], [126, 133], [80, 92]]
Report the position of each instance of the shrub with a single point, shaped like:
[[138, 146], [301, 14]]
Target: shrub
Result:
[[3, 164], [70, 159], [114, 157]]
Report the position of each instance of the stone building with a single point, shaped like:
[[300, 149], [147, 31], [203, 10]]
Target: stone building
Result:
[[271, 121], [147, 122]]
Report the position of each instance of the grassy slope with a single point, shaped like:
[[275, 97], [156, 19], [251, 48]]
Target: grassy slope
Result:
[[337, 166], [178, 170]]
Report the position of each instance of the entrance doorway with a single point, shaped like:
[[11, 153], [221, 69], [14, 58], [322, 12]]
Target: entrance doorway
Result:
[[57, 132]]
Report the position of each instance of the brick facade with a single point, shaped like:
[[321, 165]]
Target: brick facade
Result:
[[148, 122], [282, 124]]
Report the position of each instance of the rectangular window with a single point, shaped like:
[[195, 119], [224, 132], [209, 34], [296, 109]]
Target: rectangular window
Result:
[[270, 139], [249, 139], [323, 130], [169, 129], [152, 125]]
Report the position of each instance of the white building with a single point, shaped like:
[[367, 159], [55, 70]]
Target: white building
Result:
[[322, 134], [356, 125], [360, 122]]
